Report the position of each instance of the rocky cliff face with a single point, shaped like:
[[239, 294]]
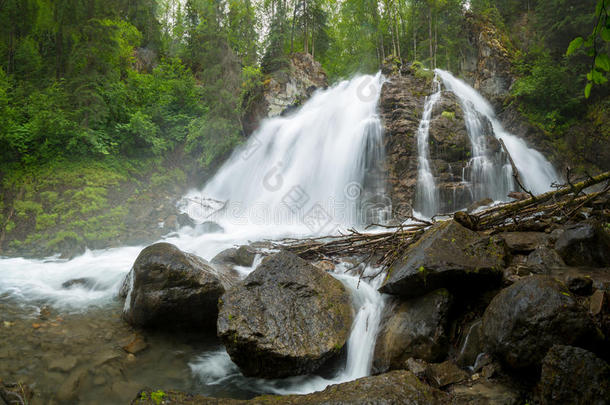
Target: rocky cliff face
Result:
[[285, 89], [402, 103], [487, 61]]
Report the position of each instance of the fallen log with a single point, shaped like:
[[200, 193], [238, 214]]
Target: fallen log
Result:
[[384, 248]]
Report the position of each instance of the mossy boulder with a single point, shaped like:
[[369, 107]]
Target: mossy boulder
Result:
[[168, 288], [524, 320], [287, 318], [447, 256]]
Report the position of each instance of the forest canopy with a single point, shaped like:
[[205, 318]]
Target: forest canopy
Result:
[[142, 78]]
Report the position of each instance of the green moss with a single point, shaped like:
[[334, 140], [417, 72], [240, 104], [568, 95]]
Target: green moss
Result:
[[157, 396], [448, 114]]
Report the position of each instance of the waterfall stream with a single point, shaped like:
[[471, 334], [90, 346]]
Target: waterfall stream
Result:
[[316, 171], [426, 197], [488, 173]]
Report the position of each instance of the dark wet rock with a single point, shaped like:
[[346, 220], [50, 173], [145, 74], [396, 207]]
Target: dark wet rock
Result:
[[446, 373], [448, 255], [584, 244], [524, 320], [544, 258], [414, 328], [395, 388], [485, 393], [84, 282], [478, 204], [580, 285], [470, 345], [287, 318], [241, 256], [171, 288], [524, 242], [209, 227], [571, 375], [183, 219]]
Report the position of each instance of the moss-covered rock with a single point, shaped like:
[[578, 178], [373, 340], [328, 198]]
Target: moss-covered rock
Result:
[[287, 318], [169, 288], [447, 256]]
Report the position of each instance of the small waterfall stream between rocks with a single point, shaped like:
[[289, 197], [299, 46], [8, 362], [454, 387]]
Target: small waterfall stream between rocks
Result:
[[316, 171]]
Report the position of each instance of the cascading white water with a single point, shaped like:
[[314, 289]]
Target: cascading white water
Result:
[[311, 172], [426, 197], [488, 173], [320, 159], [495, 179]]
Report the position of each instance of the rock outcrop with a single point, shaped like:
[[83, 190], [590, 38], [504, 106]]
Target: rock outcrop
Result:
[[285, 89], [447, 256], [287, 318], [487, 61], [414, 328], [524, 320], [168, 288], [401, 106]]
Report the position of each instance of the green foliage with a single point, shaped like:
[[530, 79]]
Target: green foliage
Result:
[[596, 47], [547, 90]]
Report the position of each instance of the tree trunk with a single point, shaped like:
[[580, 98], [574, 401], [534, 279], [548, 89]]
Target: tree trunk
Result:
[[294, 18], [430, 36]]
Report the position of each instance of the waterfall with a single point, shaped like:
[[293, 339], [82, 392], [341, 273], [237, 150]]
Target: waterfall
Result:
[[315, 171], [535, 170], [488, 173], [426, 195]]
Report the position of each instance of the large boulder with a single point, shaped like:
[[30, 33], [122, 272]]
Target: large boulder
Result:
[[287, 318], [414, 328], [447, 256], [571, 375], [584, 244], [168, 288], [524, 320], [394, 388]]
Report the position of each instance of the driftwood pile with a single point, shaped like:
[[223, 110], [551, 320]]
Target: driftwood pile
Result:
[[535, 213]]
